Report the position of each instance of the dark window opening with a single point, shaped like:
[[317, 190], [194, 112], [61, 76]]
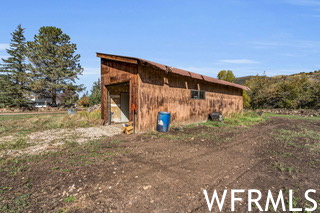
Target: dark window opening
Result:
[[194, 94], [198, 94], [202, 94]]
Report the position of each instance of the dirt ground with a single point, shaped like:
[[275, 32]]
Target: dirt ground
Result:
[[50, 140], [167, 172]]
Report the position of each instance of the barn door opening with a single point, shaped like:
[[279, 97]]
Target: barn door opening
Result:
[[118, 103]]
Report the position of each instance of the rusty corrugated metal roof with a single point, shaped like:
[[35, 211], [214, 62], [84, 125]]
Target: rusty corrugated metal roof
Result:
[[181, 72]]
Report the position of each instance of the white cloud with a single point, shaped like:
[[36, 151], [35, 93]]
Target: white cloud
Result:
[[4, 46], [91, 71], [239, 61]]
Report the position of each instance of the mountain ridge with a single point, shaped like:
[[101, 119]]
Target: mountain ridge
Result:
[[315, 74]]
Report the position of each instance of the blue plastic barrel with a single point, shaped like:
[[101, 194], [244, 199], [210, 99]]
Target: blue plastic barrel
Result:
[[72, 111], [163, 121]]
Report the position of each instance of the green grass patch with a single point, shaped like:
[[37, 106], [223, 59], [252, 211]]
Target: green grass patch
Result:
[[69, 199], [4, 189], [65, 160], [244, 119], [236, 119], [270, 115], [292, 137], [16, 205], [282, 154], [14, 165], [284, 168], [60, 211], [19, 143]]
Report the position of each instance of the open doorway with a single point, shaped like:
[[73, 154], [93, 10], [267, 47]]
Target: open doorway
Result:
[[118, 103]]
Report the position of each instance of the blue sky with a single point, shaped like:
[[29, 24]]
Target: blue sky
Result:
[[203, 36]]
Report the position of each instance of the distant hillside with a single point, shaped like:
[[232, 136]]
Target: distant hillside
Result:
[[242, 80], [296, 91], [315, 75]]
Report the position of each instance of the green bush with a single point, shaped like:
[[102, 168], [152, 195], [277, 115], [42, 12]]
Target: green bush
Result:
[[291, 92]]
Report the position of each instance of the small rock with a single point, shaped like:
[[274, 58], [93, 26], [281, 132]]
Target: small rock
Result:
[[147, 187]]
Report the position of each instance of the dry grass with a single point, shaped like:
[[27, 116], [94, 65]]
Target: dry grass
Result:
[[20, 125], [35, 133]]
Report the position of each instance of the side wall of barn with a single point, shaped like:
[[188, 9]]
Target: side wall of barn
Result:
[[160, 91]]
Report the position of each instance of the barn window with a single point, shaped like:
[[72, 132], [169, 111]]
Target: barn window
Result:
[[198, 94], [202, 94]]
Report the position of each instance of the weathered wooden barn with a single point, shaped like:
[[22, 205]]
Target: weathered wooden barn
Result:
[[135, 89]]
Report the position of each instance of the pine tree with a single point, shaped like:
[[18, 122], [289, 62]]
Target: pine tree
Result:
[[15, 82], [68, 97], [55, 66], [5, 97], [95, 97]]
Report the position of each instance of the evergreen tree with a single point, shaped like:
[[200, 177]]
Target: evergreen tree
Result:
[[95, 97], [226, 75], [15, 83], [5, 97], [68, 97], [55, 66]]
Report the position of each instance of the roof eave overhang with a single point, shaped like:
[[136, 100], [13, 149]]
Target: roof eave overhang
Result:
[[117, 58], [168, 69]]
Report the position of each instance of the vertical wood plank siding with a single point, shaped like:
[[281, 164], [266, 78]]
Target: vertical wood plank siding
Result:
[[153, 90], [171, 92]]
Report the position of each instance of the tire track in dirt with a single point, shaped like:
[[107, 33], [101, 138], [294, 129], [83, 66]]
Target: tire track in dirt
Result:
[[262, 129], [208, 167]]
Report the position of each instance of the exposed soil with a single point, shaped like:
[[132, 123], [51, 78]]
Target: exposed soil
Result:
[[50, 140], [167, 172]]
